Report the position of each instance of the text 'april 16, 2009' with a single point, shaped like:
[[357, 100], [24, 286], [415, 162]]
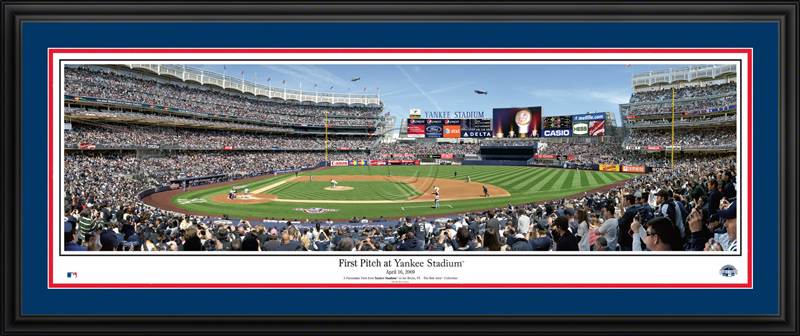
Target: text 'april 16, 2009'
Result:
[[398, 270]]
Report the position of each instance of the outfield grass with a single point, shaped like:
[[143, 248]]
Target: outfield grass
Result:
[[525, 184], [362, 190]]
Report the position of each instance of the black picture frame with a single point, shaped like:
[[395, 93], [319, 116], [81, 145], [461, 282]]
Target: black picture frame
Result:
[[785, 13]]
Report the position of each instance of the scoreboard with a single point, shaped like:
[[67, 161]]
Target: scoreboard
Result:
[[562, 122]]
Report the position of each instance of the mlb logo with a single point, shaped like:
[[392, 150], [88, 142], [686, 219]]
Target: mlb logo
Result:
[[72, 274]]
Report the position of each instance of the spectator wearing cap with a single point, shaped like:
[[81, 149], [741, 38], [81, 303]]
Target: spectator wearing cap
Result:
[[730, 188], [540, 240], [566, 240], [729, 215], [70, 235], [573, 224], [609, 227], [108, 240], [272, 243], [224, 239]]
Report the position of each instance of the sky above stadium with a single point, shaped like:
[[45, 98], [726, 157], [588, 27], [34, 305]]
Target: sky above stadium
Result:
[[558, 89]]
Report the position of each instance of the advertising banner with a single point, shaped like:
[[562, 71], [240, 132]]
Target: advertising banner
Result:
[[447, 156], [633, 147], [557, 133], [670, 147], [434, 131], [174, 186], [86, 145], [452, 131], [344, 148], [633, 169], [358, 163], [653, 148], [227, 147], [520, 122], [589, 117], [416, 131], [580, 129], [377, 163], [394, 161], [546, 156], [609, 168], [415, 113], [572, 157], [338, 163], [382, 155], [475, 134], [597, 128]]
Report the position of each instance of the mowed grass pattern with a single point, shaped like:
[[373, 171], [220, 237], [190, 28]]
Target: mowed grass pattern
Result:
[[362, 190], [525, 184]]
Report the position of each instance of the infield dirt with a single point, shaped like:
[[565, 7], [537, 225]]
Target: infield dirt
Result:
[[449, 189]]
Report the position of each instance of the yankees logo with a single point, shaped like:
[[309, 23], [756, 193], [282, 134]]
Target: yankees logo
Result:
[[191, 200]]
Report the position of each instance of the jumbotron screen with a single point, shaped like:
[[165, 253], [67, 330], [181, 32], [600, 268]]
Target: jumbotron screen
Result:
[[449, 128], [517, 122]]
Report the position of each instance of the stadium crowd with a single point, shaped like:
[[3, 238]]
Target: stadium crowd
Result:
[[681, 121], [691, 207], [716, 137], [101, 84], [685, 92], [683, 107], [129, 135], [420, 148], [591, 149]]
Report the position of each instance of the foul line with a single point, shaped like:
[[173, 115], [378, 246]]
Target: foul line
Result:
[[410, 207]]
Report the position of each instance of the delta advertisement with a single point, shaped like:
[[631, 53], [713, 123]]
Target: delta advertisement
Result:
[[377, 163], [449, 128], [517, 122], [609, 168]]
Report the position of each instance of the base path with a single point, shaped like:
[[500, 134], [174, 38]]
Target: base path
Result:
[[449, 190]]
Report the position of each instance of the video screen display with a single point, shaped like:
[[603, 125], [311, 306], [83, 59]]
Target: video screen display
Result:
[[517, 122]]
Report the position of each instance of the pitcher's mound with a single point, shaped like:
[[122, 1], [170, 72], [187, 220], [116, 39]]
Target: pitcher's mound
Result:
[[339, 188]]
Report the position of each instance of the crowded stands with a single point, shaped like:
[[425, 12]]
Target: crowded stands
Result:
[[129, 136], [100, 84], [703, 138]]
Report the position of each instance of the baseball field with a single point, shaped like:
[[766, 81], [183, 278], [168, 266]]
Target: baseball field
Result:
[[370, 191]]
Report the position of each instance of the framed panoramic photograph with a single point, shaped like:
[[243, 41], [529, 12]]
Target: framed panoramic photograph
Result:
[[617, 169]]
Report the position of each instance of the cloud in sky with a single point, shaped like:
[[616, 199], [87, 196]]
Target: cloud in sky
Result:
[[419, 88], [605, 96]]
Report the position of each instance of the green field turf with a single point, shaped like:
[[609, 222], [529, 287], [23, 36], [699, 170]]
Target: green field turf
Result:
[[526, 184], [362, 190]]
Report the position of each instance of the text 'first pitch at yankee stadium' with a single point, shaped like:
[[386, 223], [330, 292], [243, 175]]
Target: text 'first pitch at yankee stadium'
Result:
[[409, 191]]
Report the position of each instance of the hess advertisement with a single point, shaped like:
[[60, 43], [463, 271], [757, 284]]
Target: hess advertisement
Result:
[[517, 122], [580, 128]]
